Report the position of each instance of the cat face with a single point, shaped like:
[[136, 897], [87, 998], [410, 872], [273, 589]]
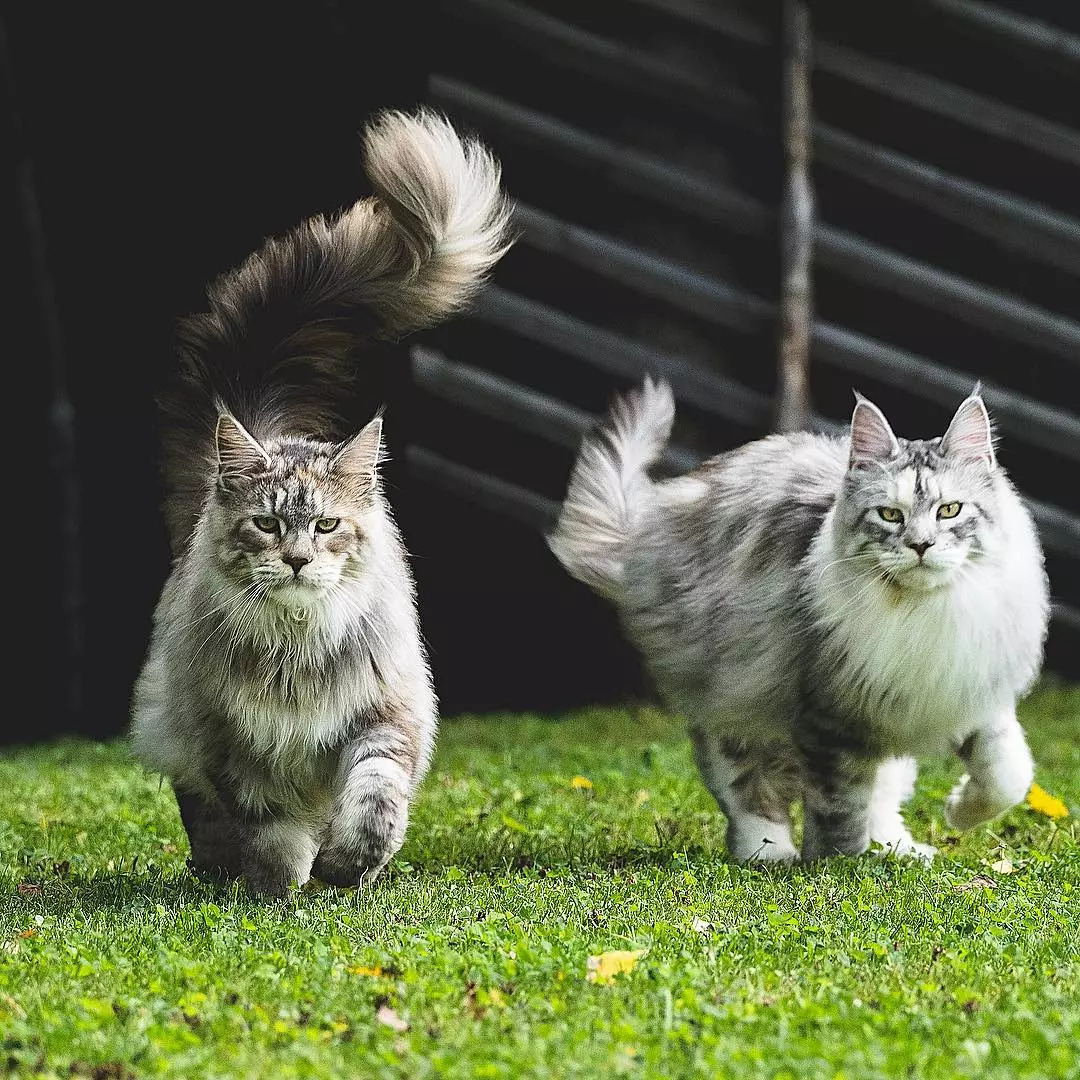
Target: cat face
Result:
[[919, 511], [290, 515]]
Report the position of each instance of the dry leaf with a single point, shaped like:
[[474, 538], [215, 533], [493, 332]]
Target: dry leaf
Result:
[[603, 968], [28, 888], [979, 881], [582, 782], [387, 1016], [1003, 866], [641, 797], [1042, 802]]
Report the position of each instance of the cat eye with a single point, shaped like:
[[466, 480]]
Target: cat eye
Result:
[[949, 510], [890, 514], [266, 523], [325, 525]]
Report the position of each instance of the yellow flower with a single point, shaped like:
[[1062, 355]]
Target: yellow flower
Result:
[[371, 972], [1043, 802], [603, 968], [581, 782]]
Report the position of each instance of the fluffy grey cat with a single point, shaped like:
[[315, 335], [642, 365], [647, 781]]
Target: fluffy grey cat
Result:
[[822, 610], [286, 692]]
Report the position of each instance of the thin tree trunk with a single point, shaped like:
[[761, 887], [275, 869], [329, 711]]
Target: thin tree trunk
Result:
[[796, 224]]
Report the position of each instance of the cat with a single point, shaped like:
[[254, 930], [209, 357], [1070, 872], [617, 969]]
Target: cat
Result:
[[286, 691], [822, 610]]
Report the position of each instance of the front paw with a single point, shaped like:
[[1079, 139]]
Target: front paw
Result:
[[344, 868], [269, 880], [968, 805]]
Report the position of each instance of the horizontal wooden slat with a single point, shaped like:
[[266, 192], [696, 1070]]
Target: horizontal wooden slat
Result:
[[940, 98], [1037, 40], [575, 49], [1038, 233], [622, 356], [493, 494], [511, 403]]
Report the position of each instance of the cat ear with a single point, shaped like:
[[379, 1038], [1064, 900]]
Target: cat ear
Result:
[[871, 437], [971, 435], [359, 457], [237, 452]]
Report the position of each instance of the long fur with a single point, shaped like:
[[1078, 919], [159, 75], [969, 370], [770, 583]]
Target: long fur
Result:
[[277, 347], [610, 486], [813, 652], [286, 692]]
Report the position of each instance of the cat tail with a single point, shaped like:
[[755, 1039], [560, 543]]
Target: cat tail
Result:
[[277, 347], [610, 485]]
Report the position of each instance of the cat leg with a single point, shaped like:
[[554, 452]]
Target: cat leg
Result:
[[839, 780], [371, 804], [1000, 771], [893, 786], [755, 792], [278, 854], [214, 838]]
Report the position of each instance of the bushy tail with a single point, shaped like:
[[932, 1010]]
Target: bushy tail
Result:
[[610, 486], [277, 346]]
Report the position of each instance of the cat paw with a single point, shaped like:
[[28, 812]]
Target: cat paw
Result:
[[968, 805], [345, 869]]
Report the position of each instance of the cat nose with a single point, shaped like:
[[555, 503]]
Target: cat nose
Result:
[[920, 548], [297, 562]]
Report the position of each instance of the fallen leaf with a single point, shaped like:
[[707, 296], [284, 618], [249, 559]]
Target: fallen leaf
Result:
[[371, 972], [582, 782], [28, 934], [1003, 866], [387, 1016], [604, 967], [979, 881], [1042, 802], [641, 797], [701, 926], [28, 888], [12, 1006]]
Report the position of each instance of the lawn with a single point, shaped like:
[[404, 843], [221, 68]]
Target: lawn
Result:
[[537, 844]]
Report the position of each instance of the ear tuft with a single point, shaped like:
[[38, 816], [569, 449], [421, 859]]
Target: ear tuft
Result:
[[359, 457], [871, 437], [970, 436], [238, 453]]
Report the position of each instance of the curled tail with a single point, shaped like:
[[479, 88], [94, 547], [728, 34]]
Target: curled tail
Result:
[[277, 347], [609, 487]]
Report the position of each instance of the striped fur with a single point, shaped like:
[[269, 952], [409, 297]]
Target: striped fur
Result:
[[822, 611], [286, 692]]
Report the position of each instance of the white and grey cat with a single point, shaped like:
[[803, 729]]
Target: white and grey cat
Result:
[[286, 692], [822, 610]]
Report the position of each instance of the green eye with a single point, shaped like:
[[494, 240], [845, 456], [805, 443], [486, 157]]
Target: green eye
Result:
[[265, 523], [890, 514], [949, 510], [325, 525]]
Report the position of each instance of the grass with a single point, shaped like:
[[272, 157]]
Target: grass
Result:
[[471, 958]]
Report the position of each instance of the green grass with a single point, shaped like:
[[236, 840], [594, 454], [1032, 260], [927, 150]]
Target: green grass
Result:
[[114, 962]]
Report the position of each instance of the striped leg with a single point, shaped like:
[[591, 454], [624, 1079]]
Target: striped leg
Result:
[[371, 805], [755, 791]]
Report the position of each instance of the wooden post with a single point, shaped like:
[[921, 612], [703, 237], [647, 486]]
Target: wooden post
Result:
[[795, 321]]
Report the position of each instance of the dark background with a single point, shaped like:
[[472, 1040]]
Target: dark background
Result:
[[166, 145]]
